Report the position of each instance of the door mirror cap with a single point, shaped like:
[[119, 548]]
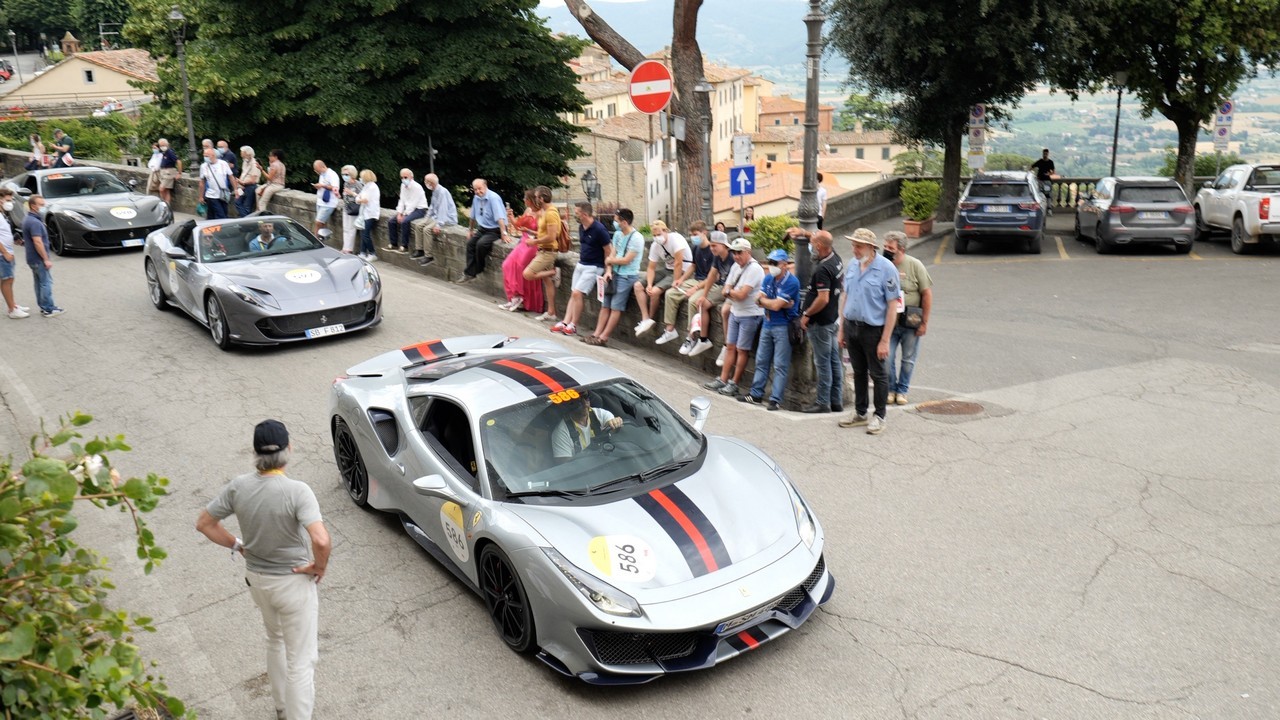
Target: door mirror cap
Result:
[[23, 192], [700, 410], [1208, 185], [133, 182], [432, 486], [176, 253]]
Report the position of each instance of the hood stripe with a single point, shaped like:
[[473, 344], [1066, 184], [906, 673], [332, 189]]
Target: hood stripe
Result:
[[540, 379], [429, 350], [692, 532]]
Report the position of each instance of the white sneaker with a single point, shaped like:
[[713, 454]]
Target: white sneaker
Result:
[[643, 326], [702, 346], [688, 345], [516, 304], [875, 424], [18, 313], [555, 279], [720, 358], [546, 317], [666, 337], [24, 308]]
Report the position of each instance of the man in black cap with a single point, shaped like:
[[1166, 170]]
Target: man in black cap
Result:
[[273, 512]]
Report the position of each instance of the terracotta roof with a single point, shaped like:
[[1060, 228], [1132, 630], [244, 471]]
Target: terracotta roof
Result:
[[870, 137], [785, 104], [753, 81], [773, 136], [828, 163], [634, 125], [588, 68], [601, 89], [715, 73], [774, 183], [137, 64]]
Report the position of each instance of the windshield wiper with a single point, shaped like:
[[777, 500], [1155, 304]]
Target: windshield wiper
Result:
[[549, 493], [642, 477]]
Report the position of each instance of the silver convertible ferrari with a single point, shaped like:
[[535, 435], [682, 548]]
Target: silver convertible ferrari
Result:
[[605, 533], [260, 280]]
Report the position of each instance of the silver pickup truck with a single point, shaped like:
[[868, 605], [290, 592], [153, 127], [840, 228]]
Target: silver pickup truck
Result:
[[1244, 200]]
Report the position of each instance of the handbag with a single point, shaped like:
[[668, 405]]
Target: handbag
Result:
[[912, 316], [563, 244], [202, 209]]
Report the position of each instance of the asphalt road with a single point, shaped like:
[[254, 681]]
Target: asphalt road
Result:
[[1099, 542]]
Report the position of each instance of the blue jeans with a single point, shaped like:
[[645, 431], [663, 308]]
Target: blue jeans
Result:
[[44, 287], [775, 352], [398, 232], [216, 208], [900, 377], [827, 365], [366, 236], [245, 203]]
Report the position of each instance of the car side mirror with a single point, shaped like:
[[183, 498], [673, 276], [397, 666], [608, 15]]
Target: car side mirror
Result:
[[24, 192], [133, 182], [431, 486], [700, 410], [176, 252], [1208, 185]]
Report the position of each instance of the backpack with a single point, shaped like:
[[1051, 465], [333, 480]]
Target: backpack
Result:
[[562, 243]]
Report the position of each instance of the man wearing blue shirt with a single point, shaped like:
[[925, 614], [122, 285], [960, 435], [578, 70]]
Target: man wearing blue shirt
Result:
[[35, 236], [780, 297], [488, 225], [441, 213], [595, 247], [871, 293]]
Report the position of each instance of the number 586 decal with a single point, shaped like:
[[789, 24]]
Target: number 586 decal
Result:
[[623, 558]]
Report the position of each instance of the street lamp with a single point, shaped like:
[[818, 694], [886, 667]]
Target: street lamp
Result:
[[591, 186], [808, 210], [13, 42], [1120, 78], [179, 23], [703, 87]]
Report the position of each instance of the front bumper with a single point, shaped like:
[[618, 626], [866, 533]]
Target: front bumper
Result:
[[77, 237], [251, 325]]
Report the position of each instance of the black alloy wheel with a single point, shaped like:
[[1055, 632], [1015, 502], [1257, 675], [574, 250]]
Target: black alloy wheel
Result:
[[153, 287], [1102, 246], [506, 600], [56, 242], [350, 463], [1079, 233]]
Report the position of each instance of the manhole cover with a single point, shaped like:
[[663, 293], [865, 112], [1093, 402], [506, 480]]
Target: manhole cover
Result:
[[950, 407]]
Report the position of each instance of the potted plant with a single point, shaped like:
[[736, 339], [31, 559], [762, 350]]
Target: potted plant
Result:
[[919, 202]]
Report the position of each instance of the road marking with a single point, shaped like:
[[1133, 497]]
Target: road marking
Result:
[[1062, 250], [1194, 256], [942, 248], [34, 409]]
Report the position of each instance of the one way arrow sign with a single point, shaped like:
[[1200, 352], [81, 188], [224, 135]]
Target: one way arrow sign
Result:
[[742, 180]]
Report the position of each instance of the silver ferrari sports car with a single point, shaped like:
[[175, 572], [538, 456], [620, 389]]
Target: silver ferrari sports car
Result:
[[605, 533], [260, 280], [91, 209]]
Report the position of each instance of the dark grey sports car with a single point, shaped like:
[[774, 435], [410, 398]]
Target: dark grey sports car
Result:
[[91, 209], [260, 280]]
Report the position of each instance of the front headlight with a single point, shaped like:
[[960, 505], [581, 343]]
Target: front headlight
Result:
[[253, 297], [601, 594], [371, 278], [804, 519], [80, 217]]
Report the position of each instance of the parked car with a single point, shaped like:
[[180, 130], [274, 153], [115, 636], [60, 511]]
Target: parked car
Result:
[[1135, 211], [1245, 201], [90, 209], [260, 280], [1001, 205], [605, 533]]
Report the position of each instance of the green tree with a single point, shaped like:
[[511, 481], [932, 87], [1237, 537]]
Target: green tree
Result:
[[86, 14], [29, 18], [63, 652], [1008, 161], [369, 82], [1205, 165], [860, 108], [941, 57], [1181, 58]]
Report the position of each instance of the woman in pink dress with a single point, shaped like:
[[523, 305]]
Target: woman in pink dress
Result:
[[522, 294]]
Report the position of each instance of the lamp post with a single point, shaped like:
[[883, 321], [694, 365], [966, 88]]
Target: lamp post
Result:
[[808, 210], [591, 186], [179, 22], [13, 43], [705, 89], [1121, 78]]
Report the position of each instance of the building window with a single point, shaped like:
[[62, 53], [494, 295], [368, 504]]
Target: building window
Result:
[[589, 111], [613, 109], [777, 121], [857, 152], [795, 121], [884, 153], [88, 77], [771, 157], [833, 150]]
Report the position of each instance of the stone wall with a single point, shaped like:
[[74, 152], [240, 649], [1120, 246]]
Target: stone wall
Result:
[[864, 206]]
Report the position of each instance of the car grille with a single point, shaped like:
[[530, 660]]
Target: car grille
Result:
[[113, 238], [287, 326], [796, 595], [626, 648]]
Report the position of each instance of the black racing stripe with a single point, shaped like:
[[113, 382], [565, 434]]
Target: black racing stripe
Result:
[[736, 643], [540, 378], [677, 534], [560, 376], [529, 382], [709, 533], [758, 634], [431, 350]]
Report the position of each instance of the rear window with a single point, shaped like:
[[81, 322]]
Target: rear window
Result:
[[1265, 177], [1151, 195], [985, 190]]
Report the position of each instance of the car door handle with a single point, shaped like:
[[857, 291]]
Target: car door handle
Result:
[[400, 467]]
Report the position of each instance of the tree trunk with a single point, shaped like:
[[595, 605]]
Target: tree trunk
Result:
[[950, 176], [1188, 132], [686, 69]]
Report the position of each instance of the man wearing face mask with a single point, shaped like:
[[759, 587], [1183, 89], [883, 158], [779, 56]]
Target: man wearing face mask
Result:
[[170, 166], [7, 259], [780, 298], [442, 212], [913, 316], [35, 236], [820, 318], [870, 311], [678, 294], [412, 206]]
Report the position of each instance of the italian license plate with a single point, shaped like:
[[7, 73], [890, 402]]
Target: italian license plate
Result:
[[741, 620], [131, 242], [999, 208], [1155, 215], [326, 331]]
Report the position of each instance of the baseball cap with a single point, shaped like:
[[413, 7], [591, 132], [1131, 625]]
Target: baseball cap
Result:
[[740, 244], [719, 236], [270, 436], [780, 255], [865, 236]]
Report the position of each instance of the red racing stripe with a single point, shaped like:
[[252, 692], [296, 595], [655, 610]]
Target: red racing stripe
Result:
[[749, 641], [534, 373], [694, 534]]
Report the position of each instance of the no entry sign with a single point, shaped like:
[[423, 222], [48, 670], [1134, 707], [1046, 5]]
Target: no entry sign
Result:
[[650, 87]]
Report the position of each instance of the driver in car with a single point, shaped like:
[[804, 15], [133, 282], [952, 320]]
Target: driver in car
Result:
[[581, 424], [89, 185], [267, 238]]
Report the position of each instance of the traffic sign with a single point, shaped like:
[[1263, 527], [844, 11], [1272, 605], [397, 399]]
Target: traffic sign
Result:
[[1221, 136], [978, 116], [650, 87], [977, 139], [741, 149], [742, 180], [1226, 108], [1226, 113]]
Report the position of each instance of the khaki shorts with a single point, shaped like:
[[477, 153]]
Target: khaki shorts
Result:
[[167, 176], [542, 262], [716, 295]]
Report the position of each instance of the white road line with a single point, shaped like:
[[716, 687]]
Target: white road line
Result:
[[20, 389]]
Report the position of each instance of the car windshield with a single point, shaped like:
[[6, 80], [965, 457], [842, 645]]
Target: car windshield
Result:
[[1163, 194], [65, 185], [242, 240], [999, 190], [587, 440]]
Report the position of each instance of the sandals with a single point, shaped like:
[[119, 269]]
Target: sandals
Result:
[[593, 340]]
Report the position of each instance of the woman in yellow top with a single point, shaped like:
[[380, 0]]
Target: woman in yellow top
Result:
[[543, 265]]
